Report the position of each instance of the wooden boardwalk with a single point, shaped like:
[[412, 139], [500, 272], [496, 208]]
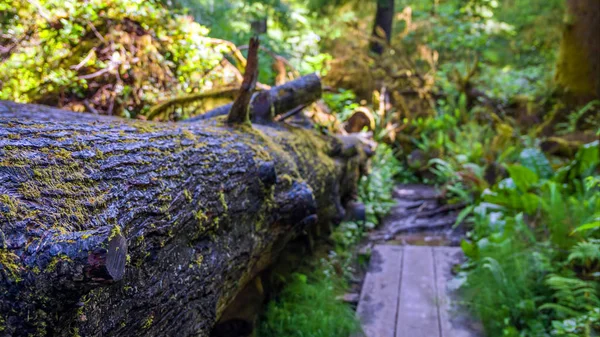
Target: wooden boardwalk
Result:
[[405, 294]]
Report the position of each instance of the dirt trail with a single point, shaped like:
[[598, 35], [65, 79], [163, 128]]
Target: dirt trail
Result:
[[420, 218]]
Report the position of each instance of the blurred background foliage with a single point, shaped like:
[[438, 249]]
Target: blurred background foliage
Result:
[[120, 57], [464, 96], [113, 57]]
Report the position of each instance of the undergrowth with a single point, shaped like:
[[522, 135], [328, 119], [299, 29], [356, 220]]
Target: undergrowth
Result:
[[308, 307], [533, 249], [533, 246]]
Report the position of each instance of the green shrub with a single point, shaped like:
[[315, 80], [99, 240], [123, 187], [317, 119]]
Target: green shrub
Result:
[[375, 189], [116, 56], [534, 253], [501, 288], [308, 307]]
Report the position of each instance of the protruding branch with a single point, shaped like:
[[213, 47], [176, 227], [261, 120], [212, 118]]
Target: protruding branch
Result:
[[240, 110], [278, 100]]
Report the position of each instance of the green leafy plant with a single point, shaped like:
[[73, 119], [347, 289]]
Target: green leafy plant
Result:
[[532, 251], [587, 159], [500, 285], [536, 161], [343, 103], [574, 118], [311, 295], [572, 296], [580, 326], [113, 57], [375, 189], [308, 307]]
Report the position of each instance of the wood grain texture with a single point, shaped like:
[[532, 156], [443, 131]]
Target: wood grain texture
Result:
[[405, 294], [378, 305], [417, 309], [454, 321]]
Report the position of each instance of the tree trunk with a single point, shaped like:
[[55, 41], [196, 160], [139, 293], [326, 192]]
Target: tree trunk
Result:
[[578, 68], [382, 28], [111, 227]]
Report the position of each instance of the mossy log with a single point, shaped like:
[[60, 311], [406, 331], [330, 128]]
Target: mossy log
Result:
[[112, 227]]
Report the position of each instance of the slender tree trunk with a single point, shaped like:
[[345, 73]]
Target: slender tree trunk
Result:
[[578, 68], [382, 28]]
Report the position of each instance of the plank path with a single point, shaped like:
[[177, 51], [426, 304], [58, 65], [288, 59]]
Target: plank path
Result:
[[405, 294]]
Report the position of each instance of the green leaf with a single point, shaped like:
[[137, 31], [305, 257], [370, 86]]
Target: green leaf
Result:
[[301, 277], [523, 177], [514, 201], [530, 203], [587, 227], [468, 248], [463, 214], [588, 158], [536, 161], [586, 161]]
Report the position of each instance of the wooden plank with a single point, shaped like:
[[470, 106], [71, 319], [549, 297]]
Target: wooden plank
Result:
[[454, 322], [417, 310], [378, 304]]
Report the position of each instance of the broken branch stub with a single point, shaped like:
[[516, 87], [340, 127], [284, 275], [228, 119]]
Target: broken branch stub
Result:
[[240, 110]]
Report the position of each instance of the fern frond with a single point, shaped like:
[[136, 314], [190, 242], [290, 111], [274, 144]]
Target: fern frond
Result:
[[585, 252], [566, 311], [572, 295]]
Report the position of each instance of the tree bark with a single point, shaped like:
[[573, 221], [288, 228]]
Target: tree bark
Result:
[[578, 67], [382, 28], [111, 227]]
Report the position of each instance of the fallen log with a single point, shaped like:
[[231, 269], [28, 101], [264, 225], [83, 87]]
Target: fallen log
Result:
[[266, 104], [112, 227]]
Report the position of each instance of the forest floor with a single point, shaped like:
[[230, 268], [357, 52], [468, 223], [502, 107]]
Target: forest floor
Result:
[[409, 287]]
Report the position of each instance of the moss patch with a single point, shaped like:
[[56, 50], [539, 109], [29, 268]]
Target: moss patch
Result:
[[10, 205], [9, 263], [148, 322]]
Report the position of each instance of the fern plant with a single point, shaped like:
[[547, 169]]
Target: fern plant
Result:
[[573, 297], [574, 118], [534, 251], [586, 255], [307, 307]]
